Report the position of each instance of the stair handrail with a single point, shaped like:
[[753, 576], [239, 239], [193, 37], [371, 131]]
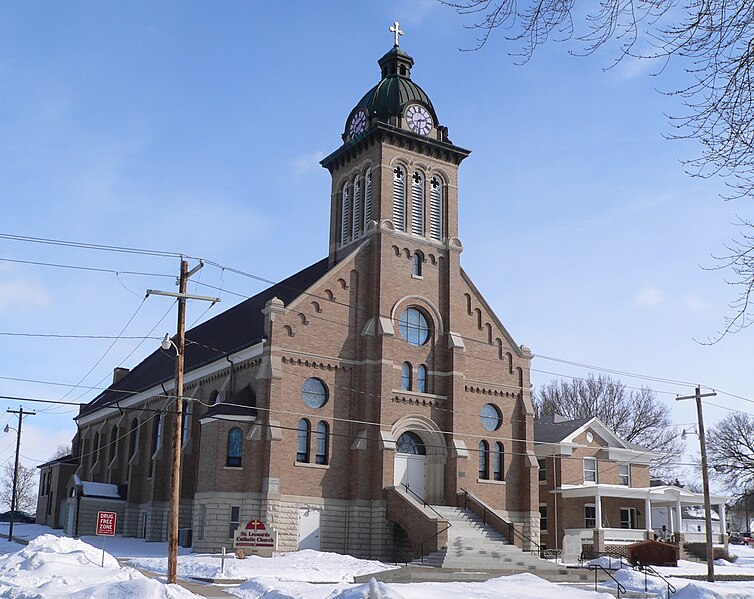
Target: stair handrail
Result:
[[512, 532], [432, 536], [647, 569], [619, 587]]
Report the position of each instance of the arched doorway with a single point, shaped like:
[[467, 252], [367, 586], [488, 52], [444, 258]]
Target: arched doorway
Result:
[[420, 457], [410, 456]]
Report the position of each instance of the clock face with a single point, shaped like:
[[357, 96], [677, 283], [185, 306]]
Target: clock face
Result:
[[419, 119], [358, 124]]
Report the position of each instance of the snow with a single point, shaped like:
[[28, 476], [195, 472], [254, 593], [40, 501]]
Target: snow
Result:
[[53, 565], [100, 489]]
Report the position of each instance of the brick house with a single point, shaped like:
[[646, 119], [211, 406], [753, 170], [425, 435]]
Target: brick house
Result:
[[595, 485], [317, 403]]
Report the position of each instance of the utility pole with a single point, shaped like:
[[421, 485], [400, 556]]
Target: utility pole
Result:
[[13, 505], [705, 478], [175, 478]]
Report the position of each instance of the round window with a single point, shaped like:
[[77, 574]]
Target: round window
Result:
[[491, 417], [414, 327], [314, 393]]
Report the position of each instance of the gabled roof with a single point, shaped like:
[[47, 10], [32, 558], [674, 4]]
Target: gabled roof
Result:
[[554, 428], [233, 330]]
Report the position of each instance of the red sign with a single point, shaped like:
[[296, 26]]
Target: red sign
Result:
[[106, 523], [257, 537]]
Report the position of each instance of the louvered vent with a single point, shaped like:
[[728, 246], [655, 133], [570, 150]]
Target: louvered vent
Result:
[[417, 204], [356, 207], [345, 216], [435, 209], [367, 199], [399, 198]]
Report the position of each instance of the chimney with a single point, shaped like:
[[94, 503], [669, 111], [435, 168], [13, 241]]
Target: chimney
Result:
[[119, 373]]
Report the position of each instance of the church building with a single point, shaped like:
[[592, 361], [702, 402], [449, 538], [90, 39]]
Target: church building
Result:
[[333, 405]]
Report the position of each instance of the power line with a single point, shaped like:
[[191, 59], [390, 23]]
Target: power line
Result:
[[90, 246], [89, 268]]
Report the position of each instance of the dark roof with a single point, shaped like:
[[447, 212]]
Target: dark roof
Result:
[[66, 459], [553, 428], [233, 330]]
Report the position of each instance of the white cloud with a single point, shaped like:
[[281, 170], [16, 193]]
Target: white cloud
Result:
[[22, 293], [649, 296], [692, 302], [306, 162]]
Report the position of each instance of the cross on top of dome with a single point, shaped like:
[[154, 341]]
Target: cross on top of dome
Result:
[[394, 28]]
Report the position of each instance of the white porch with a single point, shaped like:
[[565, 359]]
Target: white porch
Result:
[[672, 499]]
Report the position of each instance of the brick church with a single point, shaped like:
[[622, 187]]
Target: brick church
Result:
[[335, 403]]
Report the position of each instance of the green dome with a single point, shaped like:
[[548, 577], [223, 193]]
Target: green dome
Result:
[[395, 90]]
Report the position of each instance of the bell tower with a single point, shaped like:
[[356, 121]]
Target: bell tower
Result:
[[397, 170]]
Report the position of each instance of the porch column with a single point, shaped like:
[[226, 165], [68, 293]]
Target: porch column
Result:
[[597, 510], [670, 518], [679, 528], [648, 512], [721, 511]]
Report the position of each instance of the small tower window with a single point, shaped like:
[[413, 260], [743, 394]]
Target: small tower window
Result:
[[345, 216], [356, 228], [435, 209], [417, 203], [302, 441], [421, 378], [484, 460], [399, 198], [323, 442], [498, 461], [406, 376], [367, 199], [418, 263]]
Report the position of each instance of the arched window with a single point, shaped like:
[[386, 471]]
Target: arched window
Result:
[[410, 443], [356, 228], [417, 203], [156, 432], [406, 376], [345, 215], [95, 449], [302, 441], [185, 419], [418, 264], [435, 208], [133, 438], [484, 460], [498, 462], [421, 378], [113, 443], [214, 397], [235, 447], [399, 198], [367, 198], [323, 443]]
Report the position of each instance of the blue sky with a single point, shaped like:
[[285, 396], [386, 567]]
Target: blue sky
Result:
[[197, 127]]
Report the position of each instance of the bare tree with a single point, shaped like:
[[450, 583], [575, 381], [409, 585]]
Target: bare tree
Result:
[[714, 42], [61, 452], [26, 487], [634, 415], [730, 451]]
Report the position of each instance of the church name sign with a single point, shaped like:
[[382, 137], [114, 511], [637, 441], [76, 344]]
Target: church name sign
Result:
[[256, 538]]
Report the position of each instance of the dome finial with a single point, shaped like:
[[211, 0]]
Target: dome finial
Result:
[[394, 28]]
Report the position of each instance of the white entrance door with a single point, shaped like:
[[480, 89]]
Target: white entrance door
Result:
[[308, 529], [409, 470]]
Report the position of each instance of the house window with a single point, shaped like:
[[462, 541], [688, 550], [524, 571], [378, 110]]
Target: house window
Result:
[[302, 442], [345, 215], [133, 438], [624, 474], [323, 442], [414, 327], [590, 470], [628, 517], [399, 198], [235, 520], [406, 376], [484, 460], [542, 516], [435, 208], [417, 203], [590, 515], [235, 447], [418, 262], [498, 461], [421, 378], [542, 470]]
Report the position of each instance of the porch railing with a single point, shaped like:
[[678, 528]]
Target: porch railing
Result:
[[701, 537]]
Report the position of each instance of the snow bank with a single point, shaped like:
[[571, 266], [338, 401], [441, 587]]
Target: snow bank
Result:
[[52, 566]]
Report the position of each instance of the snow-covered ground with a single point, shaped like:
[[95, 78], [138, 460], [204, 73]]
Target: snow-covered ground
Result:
[[56, 566]]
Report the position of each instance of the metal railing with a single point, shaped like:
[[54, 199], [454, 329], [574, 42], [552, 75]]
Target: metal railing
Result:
[[595, 568], [647, 569], [432, 536], [502, 523]]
